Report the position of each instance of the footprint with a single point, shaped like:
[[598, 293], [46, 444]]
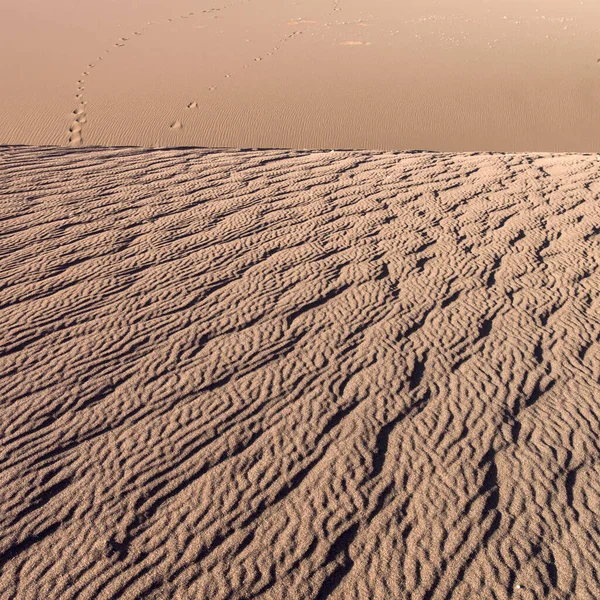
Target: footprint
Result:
[[75, 139], [176, 125], [192, 105]]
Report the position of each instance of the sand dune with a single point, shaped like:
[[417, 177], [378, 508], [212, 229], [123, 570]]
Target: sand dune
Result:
[[454, 75], [278, 374]]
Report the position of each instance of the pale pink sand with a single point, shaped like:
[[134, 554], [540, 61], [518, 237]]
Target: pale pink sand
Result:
[[456, 75]]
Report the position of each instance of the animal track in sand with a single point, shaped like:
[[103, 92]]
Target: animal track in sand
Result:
[[76, 126], [257, 59], [75, 130]]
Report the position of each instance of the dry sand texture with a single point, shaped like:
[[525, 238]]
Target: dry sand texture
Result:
[[454, 75], [299, 375]]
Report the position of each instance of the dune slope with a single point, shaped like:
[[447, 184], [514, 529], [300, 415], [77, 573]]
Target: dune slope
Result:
[[278, 374]]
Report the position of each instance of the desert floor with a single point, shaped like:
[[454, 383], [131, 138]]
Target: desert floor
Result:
[[451, 75], [299, 375]]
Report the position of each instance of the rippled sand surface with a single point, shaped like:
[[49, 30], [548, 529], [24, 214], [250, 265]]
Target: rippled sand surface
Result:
[[452, 75], [240, 374]]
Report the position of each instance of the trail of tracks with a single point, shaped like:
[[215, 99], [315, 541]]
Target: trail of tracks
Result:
[[298, 374], [79, 115]]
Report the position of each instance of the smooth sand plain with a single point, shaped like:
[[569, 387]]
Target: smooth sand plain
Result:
[[455, 75], [301, 375]]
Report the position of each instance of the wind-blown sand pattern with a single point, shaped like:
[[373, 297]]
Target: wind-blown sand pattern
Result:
[[279, 374]]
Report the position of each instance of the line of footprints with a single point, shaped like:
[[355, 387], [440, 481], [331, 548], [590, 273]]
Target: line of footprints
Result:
[[79, 115], [178, 125]]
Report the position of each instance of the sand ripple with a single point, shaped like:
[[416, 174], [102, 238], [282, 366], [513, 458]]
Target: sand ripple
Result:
[[298, 375]]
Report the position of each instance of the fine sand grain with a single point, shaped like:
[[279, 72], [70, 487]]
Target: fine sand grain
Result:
[[299, 375], [452, 75]]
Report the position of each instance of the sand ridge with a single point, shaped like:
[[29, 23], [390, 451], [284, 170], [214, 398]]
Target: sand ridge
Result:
[[269, 374]]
